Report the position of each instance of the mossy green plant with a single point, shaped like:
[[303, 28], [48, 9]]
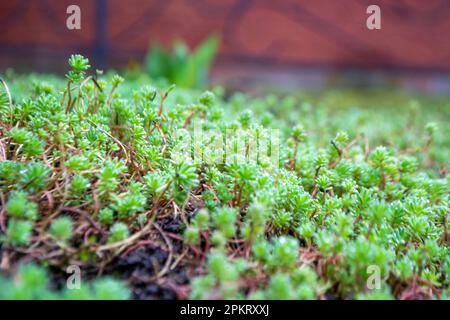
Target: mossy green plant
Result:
[[355, 206]]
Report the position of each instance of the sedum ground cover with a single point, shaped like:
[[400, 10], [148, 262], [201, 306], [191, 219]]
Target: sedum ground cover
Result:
[[351, 201]]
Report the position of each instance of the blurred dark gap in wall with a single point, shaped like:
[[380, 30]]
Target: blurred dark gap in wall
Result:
[[286, 44]]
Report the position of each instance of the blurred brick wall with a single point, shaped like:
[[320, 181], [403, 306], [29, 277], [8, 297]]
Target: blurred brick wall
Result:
[[414, 34]]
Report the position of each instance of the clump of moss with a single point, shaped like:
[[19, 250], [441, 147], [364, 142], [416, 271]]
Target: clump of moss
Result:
[[296, 197], [31, 282]]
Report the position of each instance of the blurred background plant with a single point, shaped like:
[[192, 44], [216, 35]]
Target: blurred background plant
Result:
[[181, 66]]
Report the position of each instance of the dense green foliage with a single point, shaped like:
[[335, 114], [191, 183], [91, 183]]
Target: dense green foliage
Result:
[[87, 170], [32, 283]]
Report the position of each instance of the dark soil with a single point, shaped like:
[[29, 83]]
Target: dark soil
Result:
[[141, 266]]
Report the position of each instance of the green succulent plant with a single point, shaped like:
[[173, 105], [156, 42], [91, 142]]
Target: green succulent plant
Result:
[[295, 196]]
